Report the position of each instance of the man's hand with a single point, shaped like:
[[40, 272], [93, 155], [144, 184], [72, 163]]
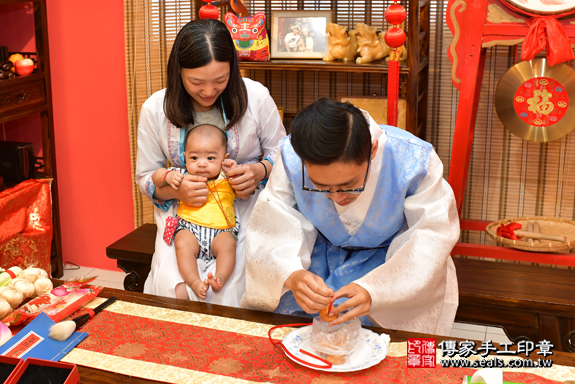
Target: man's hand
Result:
[[359, 302], [309, 290]]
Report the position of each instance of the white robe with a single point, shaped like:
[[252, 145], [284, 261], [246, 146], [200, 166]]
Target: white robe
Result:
[[258, 132], [414, 290]]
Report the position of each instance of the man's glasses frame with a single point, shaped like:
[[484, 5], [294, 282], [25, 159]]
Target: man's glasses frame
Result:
[[327, 191]]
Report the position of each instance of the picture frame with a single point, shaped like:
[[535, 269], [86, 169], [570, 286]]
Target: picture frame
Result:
[[376, 106], [299, 34]]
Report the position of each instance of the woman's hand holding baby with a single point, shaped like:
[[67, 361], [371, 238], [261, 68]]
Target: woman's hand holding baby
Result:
[[245, 178]]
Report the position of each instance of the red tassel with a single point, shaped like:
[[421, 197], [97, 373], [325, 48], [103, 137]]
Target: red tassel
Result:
[[392, 89]]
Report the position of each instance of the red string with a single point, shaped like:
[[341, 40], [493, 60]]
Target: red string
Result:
[[279, 342], [392, 92]]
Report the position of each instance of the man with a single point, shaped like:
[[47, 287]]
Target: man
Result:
[[292, 38], [356, 213]]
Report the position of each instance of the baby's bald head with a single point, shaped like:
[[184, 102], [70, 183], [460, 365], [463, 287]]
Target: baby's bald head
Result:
[[206, 132]]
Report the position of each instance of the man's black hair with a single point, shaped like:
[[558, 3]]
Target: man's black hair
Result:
[[328, 131]]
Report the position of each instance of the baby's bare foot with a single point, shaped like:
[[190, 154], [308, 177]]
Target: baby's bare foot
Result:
[[200, 288], [217, 282]]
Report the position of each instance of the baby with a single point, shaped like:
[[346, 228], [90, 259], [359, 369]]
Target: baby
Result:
[[207, 232]]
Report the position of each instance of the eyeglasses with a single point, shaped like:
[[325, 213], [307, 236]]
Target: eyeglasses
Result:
[[327, 191]]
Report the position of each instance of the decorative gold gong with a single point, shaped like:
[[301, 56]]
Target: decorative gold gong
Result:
[[533, 100]]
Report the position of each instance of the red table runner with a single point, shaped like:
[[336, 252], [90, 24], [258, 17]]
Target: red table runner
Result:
[[241, 356]]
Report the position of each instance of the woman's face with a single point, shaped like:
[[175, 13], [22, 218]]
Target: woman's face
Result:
[[305, 32], [205, 84]]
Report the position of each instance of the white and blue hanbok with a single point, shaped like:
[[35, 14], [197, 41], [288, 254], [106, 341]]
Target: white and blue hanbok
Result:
[[394, 240]]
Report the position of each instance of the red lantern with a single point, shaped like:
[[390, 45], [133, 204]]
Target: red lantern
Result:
[[395, 14], [208, 11], [395, 37]]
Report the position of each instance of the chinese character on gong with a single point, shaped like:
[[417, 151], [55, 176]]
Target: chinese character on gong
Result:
[[421, 353]]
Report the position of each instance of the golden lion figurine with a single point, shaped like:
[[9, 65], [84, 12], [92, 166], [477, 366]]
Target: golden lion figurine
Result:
[[370, 47], [342, 45]]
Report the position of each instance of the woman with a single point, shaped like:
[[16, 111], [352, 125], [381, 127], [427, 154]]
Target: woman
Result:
[[306, 41], [367, 221], [204, 86]]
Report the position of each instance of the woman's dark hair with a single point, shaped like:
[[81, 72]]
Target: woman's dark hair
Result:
[[327, 131], [199, 43]]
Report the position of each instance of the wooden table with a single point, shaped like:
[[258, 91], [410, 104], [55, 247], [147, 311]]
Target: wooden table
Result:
[[90, 375], [529, 302]]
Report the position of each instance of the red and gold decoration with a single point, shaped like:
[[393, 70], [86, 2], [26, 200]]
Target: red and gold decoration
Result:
[[537, 109], [541, 101], [395, 37], [250, 36], [26, 225]]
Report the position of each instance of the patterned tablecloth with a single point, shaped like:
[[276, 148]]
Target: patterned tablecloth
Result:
[[185, 347]]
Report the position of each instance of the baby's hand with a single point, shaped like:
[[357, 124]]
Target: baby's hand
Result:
[[229, 164], [174, 178]]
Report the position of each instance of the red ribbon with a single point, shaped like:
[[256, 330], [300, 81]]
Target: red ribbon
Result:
[[545, 32], [507, 231]]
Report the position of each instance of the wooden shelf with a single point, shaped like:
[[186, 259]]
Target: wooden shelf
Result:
[[27, 95], [320, 65], [414, 72], [21, 80]]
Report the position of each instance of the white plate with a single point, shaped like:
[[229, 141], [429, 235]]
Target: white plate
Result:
[[371, 349]]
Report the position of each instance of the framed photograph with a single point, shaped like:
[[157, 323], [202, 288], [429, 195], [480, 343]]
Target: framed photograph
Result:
[[376, 106], [299, 34]]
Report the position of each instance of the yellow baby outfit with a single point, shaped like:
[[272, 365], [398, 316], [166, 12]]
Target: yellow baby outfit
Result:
[[213, 218], [220, 198]]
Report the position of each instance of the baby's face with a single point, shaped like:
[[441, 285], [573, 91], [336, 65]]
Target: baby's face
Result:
[[204, 155]]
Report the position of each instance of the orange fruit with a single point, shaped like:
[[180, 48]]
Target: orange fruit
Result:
[[14, 58]]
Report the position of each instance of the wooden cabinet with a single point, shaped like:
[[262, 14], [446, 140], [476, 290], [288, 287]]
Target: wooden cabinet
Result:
[[32, 94], [413, 73]]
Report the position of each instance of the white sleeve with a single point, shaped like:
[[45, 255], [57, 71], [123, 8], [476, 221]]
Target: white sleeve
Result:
[[411, 289], [272, 130], [279, 241], [150, 154]]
